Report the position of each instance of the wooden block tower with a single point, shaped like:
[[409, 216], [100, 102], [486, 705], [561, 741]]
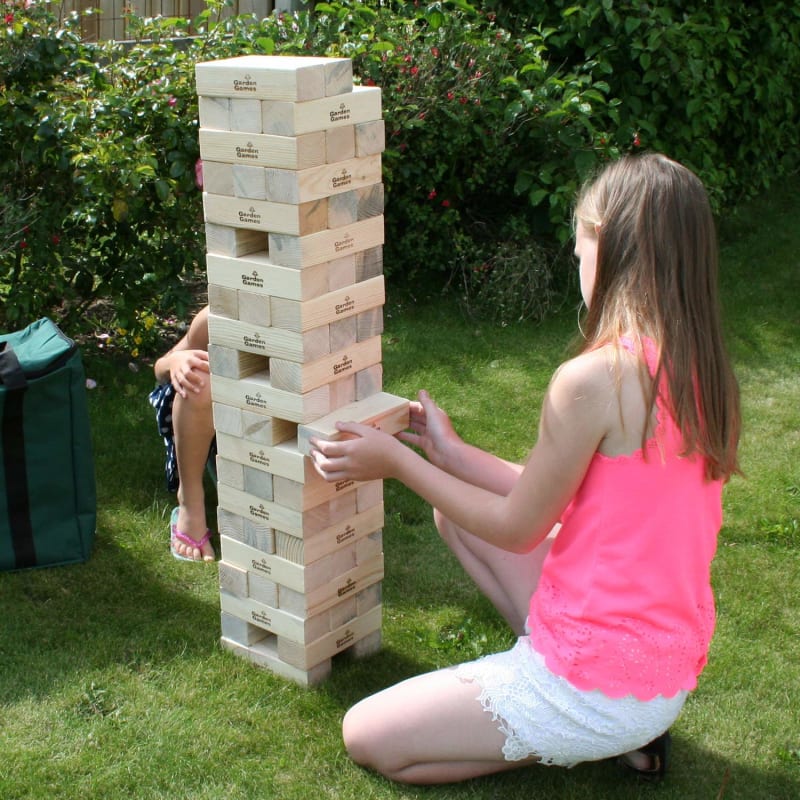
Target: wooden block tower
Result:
[[293, 207]]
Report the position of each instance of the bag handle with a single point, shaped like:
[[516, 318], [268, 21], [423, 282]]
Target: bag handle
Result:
[[11, 374]]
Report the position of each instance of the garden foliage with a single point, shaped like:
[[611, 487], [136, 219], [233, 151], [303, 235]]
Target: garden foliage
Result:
[[494, 116]]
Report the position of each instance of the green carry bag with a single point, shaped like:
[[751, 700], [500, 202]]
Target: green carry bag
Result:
[[48, 507]]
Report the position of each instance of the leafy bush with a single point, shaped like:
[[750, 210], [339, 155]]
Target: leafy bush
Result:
[[490, 130]]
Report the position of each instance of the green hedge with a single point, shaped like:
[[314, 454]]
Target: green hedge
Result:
[[493, 118]]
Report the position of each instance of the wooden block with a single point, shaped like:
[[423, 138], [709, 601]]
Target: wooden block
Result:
[[344, 333], [315, 183], [259, 536], [304, 251], [241, 631], [344, 612], [279, 342], [263, 150], [262, 589], [331, 644], [214, 112], [229, 472], [300, 317], [369, 263], [332, 512], [341, 273], [230, 524], [262, 215], [342, 209], [223, 302], [282, 118], [257, 274], [256, 394], [227, 419], [295, 78], [230, 363], [283, 459], [369, 381], [233, 579], [340, 143], [369, 202], [270, 619], [270, 431], [245, 114], [343, 391], [254, 309], [305, 495], [383, 411], [369, 494], [301, 378], [370, 137], [258, 483], [369, 547], [368, 323], [264, 654], [225, 240], [218, 178], [248, 182], [367, 646]]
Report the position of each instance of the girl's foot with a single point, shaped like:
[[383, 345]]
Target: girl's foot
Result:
[[187, 547], [650, 761]]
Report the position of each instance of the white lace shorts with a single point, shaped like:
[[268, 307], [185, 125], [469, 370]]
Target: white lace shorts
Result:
[[543, 715]]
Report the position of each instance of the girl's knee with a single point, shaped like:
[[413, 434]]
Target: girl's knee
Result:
[[363, 743]]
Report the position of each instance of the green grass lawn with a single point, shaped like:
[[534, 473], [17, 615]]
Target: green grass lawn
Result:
[[113, 683]]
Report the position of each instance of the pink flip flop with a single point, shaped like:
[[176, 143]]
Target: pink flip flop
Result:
[[182, 537]]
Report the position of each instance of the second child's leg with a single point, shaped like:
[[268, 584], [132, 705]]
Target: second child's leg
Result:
[[194, 431]]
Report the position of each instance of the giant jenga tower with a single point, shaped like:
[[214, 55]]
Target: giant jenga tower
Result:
[[293, 205]]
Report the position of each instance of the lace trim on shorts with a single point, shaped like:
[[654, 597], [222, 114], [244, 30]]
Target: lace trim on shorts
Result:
[[542, 715]]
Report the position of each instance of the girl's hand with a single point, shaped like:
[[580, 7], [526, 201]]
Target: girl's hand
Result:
[[431, 431], [365, 454], [188, 370]]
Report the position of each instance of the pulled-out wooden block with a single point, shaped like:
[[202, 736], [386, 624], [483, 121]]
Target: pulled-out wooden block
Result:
[[296, 220], [294, 78], [270, 431], [284, 118], [314, 491], [304, 251], [297, 316], [256, 394], [279, 342], [383, 411], [303, 186], [302, 378], [263, 150]]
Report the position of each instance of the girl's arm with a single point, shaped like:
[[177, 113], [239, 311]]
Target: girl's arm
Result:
[[432, 431], [577, 412]]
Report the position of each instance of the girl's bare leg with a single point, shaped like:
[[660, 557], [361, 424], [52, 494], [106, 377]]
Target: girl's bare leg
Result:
[[194, 431], [507, 579], [427, 729]]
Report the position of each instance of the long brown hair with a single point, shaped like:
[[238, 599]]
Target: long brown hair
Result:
[[657, 264]]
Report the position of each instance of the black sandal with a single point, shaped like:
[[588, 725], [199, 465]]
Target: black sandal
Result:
[[658, 752]]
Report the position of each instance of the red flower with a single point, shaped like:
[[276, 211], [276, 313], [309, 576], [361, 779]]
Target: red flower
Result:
[[446, 203], [23, 244], [56, 238], [450, 95], [462, 100], [636, 140], [431, 194], [9, 19], [435, 52], [414, 70]]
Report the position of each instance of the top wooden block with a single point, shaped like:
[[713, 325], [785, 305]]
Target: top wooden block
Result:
[[293, 78]]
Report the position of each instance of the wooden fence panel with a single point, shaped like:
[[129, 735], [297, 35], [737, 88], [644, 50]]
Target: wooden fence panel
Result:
[[108, 21]]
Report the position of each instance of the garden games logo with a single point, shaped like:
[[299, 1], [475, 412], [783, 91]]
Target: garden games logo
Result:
[[347, 243], [254, 280], [348, 533], [260, 458], [345, 365], [246, 84], [255, 401], [259, 513], [342, 180], [341, 114], [345, 307], [247, 152], [348, 587], [249, 217], [256, 342]]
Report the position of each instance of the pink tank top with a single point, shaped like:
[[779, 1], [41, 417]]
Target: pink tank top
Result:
[[624, 603]]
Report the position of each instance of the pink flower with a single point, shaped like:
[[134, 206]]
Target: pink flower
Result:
[[462, 100], [435, 52], [172, 102], [450, 95], [431, 194], [198, 173], [414, 70]]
